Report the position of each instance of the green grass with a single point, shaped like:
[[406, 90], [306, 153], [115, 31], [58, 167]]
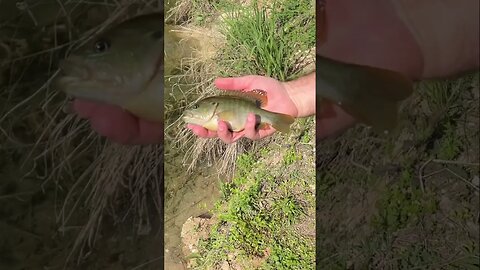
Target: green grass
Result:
[[256, 217], [271, 40], [264, 216], [405, 201]]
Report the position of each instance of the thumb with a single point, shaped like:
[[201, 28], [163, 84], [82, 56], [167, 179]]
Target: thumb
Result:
[[237, 83]]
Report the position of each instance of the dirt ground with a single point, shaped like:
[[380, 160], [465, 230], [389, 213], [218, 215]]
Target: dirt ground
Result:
[[409, 200]]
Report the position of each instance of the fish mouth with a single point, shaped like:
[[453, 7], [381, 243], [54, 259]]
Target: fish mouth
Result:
[[72, 73], [188, 117], [187, 114], [74, 68], [78, 80]]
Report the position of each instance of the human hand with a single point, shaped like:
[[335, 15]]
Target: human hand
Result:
[[409, 37], [279, 100], [117, 124], [377, 34], [339, 26]]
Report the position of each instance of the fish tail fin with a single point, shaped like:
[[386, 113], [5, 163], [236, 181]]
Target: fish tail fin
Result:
[[371, 95], [281, 122]]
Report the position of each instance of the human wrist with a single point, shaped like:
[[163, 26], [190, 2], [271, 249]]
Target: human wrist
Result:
[[448, 47], [302, 93]]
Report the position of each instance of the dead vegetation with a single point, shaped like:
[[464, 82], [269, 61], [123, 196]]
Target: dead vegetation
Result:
[[89, 183]]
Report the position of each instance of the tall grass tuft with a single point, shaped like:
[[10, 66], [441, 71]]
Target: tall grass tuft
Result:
[[272, 40]]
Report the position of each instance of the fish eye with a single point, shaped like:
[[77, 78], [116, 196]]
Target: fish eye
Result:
[[101, 46]]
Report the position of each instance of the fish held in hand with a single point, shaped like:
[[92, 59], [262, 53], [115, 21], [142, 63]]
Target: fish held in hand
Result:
[[122, 66], [371, 95], [234, 110]]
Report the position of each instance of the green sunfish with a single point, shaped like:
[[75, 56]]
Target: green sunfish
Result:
[[234, 109], [122, 66]]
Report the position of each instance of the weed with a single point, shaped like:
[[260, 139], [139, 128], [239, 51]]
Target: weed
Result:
[[287, 209], [260, 207], [291, 156], [245, 163], [388, 221], [450, 144], [256, 216], [283, 256], [403, 204], [263, 44]]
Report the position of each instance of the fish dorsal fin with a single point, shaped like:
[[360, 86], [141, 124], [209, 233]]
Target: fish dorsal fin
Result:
[[258, 96]]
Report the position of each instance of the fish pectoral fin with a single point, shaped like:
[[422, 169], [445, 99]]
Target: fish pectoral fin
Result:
[[264, 126]]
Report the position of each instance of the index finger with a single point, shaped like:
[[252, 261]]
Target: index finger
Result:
[[237, 83], [201, 132]]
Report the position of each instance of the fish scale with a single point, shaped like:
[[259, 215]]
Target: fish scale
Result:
[[234, 111]]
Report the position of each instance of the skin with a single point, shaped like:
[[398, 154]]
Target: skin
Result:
[[287, 98], [373, 26], [117, 124]]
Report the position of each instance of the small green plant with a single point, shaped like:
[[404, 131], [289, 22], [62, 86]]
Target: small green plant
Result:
[[262, 205], [291, 156], [226, 190], [306, 138], [245, 163], [287, 209], [257, 216], [450, 144], [403, 204], [285, 257]]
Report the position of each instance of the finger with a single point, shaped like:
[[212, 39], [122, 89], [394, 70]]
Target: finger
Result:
[[115, 124], [332, 121], [85, 108], [238, 83], [201, 132], [223, 133], [149, 133], [250, 131], [262, 133]]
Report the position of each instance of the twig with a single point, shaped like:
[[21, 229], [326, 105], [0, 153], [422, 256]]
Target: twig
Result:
[[420, 175], [454, 162], [463, 179]]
